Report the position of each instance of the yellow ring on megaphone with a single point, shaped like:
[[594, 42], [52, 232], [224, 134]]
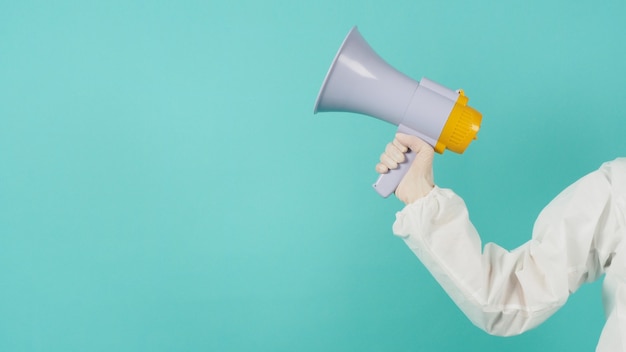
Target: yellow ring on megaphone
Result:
[[460, 128]]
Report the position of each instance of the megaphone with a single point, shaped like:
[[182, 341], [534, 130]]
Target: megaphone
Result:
[[360, 81]]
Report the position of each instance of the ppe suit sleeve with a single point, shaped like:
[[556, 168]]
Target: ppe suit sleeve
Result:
[[508, 292]]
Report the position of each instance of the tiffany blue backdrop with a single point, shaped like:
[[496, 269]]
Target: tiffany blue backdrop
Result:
[[165, 186]]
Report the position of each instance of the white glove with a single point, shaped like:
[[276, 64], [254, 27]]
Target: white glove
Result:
[[418, 181]]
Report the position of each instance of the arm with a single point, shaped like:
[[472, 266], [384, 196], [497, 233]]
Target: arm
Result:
[[507, 293]]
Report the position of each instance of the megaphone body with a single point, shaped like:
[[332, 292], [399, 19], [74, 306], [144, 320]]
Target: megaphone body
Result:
[[360, 81]]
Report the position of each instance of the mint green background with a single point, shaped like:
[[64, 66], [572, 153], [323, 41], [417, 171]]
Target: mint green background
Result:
[[164, 185]]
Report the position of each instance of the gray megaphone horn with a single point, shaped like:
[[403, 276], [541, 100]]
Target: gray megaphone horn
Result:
[[360, 81]]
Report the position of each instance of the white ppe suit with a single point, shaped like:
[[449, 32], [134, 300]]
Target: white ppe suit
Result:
[[576, 239]]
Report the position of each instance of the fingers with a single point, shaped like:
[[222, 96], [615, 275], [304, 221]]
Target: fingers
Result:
[[393, 155], [416, 144], [388, 162], [401, 147], [395, 152], [381, 168]]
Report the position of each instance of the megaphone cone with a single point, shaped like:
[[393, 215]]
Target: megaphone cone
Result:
[[360, 81]]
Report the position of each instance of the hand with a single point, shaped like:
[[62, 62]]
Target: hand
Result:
[[419, 180]]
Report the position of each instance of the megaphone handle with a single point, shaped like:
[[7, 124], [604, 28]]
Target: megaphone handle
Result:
[[387, 183]]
